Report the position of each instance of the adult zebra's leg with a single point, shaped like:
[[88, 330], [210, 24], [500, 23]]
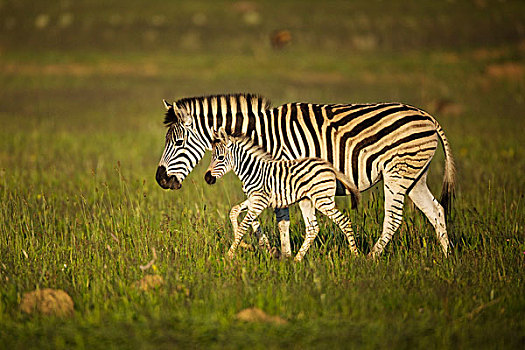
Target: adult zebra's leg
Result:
[[283, 222], [256, 204], [261, 237], [395, 190], [326, 206], [425, 201], [312, 228]]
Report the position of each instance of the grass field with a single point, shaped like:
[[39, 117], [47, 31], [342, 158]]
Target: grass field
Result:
[[81, 134]]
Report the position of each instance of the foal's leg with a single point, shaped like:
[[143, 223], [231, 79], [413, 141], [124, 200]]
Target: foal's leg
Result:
[[261, 237], [326, 205], [256, 204], [312, 229], [234, 213]]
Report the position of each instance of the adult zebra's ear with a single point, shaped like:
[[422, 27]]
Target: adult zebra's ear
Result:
[[167, 105], [185, 117]]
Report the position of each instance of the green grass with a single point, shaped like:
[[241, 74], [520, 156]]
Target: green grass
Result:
[[81, 134]]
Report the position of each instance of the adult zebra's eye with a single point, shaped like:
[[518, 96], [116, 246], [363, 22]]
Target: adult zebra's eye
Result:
[[178, 142], [220, 157]]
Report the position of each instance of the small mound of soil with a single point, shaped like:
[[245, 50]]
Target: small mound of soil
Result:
[[48, 302], [149, 282], [254, 314]]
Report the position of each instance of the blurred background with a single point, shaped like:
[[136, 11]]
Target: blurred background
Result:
[[98, 54], [81, 134]]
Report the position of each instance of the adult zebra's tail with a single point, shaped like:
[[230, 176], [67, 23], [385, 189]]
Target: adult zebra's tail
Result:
[[449, 178]]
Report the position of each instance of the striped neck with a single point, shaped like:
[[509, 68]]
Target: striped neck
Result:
[[249, 162]]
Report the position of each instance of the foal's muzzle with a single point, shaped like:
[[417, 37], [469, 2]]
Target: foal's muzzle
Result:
[[165, 181], [210, 179]]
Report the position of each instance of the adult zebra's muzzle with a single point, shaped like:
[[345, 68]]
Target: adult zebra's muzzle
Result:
[[210, 179], [167, 182]]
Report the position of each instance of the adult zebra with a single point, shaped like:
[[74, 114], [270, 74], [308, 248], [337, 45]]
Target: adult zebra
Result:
[[367, 142]]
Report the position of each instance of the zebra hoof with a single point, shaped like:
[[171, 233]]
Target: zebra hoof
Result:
[[275, 253], [372, 256]]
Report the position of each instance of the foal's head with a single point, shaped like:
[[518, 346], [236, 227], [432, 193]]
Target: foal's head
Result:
[[221, 158]]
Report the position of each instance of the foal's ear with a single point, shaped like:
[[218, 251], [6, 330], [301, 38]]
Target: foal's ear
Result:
[[214, 135], [223, 136]]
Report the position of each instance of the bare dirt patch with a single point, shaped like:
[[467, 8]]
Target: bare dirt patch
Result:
[[48, 302]]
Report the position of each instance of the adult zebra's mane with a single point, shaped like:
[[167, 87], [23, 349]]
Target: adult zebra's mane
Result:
[[253, 148], [171, 118], [254, 101]]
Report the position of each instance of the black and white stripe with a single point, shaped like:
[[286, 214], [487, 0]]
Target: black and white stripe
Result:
[[367, 142], [279, 183]]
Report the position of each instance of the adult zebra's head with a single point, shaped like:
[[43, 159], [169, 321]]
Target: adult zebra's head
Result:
[[183, 148], [221, 158]]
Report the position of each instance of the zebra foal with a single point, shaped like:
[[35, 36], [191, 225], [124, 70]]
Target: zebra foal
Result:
[[268, 182]]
